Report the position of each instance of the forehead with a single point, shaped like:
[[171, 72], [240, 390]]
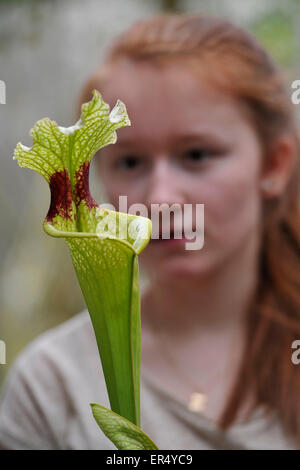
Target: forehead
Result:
[[166, 100]]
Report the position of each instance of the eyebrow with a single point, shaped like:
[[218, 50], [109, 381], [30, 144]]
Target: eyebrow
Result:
[[184, 138], [196, 136]]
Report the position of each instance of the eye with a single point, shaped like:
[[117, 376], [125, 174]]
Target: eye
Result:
[[195, 155], [128, 162]]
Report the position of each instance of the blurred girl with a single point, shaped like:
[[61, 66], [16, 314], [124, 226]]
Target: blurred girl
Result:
[[211, 124]]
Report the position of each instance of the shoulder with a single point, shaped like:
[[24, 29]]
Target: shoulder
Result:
[[74, 333], [60, 358], [59, 347], [51, 383]]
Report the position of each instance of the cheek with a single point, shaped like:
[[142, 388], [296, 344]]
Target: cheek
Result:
[[235, 212], [232, 204], [113, 187], [116, 185], [124, 198], [124, 192]]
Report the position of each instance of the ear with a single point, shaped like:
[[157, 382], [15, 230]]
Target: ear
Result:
[[278, 167]]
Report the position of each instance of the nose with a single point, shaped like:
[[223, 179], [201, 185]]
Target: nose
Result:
[[164, 185], [165, 198]]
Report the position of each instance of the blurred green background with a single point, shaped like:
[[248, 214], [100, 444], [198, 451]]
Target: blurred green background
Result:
[[48, 48]]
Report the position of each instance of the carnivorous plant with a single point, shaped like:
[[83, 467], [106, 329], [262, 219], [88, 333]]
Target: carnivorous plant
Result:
[[104, 247]]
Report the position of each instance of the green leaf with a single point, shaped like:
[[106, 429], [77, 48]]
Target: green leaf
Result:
[[124, 434], [104, 244]]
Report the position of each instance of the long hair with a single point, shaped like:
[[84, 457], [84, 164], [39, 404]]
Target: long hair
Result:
[[233, 60]]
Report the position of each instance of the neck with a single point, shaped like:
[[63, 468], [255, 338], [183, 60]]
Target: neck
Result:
[[214, 302]]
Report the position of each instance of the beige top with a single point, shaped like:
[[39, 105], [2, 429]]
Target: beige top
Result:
[[45, 403]]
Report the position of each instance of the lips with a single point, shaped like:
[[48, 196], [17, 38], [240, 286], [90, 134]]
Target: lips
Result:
[[169, 235], [170, 241]]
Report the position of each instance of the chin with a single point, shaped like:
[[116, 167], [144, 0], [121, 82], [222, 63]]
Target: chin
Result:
[[179, 271]]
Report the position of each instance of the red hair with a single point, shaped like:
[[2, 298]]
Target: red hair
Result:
[[238, 64]]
